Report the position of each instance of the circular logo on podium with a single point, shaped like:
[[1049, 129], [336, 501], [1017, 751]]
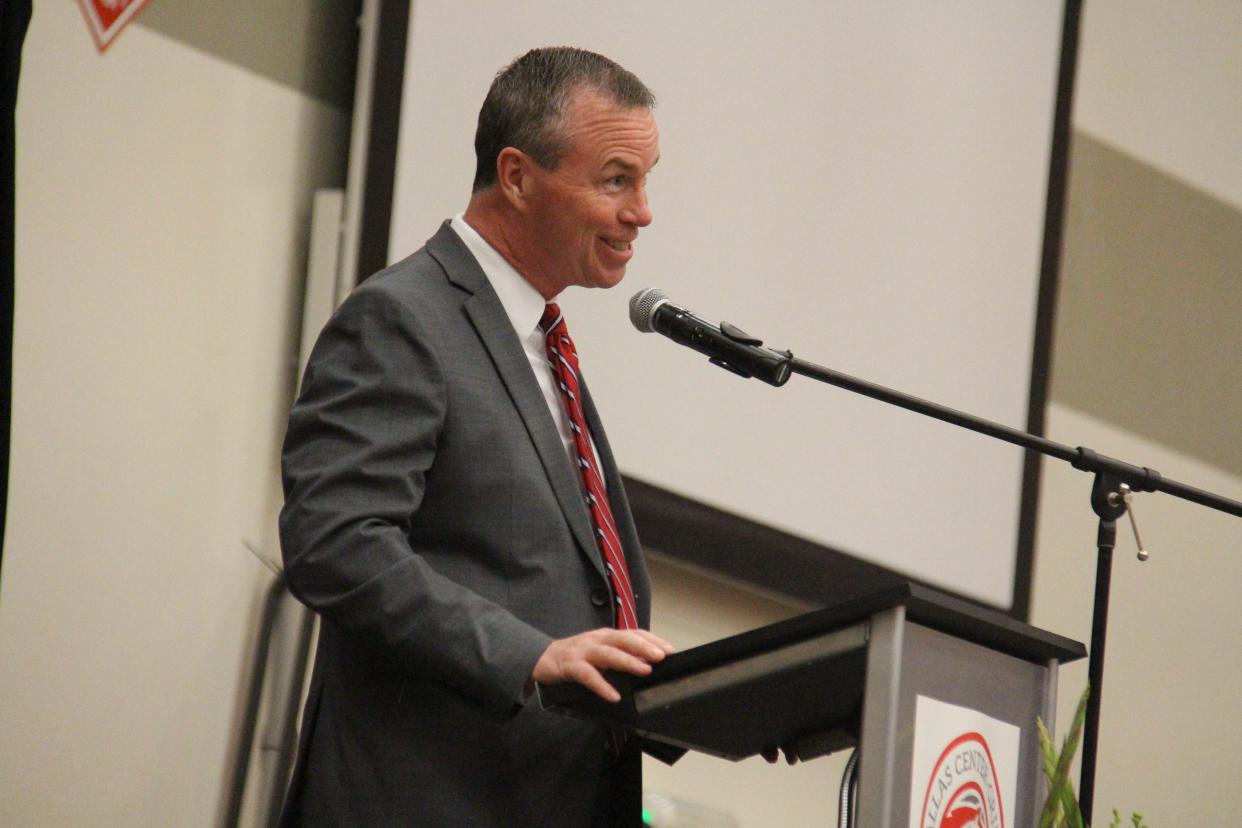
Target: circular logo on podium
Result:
[[962, 791]]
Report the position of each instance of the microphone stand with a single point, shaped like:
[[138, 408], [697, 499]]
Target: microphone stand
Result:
[[1110, 494]]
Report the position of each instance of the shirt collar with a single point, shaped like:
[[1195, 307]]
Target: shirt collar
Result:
[[522, 303]]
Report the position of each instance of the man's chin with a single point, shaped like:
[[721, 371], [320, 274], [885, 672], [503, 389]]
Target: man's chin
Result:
[[608, 278]]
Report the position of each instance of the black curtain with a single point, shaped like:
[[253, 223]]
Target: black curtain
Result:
[[14, 19]]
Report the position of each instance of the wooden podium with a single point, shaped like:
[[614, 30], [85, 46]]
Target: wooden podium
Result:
[[847, 675]]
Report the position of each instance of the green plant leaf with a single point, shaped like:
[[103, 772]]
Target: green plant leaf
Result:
[[1048, 754], [1068, 748], [1061, 808]]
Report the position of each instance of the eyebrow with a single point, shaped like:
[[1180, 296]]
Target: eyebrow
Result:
[[627, 166]]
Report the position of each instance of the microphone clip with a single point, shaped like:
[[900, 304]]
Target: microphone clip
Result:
[[740, 336]]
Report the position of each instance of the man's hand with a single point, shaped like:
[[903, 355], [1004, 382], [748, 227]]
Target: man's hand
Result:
[[580, 658], [773, 754]]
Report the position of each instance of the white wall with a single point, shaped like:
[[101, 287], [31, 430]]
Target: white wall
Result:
[[1170, 724], [162, 204]]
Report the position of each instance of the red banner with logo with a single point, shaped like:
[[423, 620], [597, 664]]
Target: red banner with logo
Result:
[[106, 18]]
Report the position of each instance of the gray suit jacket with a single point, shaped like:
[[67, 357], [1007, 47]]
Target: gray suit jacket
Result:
[[434, 521]]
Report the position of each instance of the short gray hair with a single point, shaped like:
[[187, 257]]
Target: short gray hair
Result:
[[525, 106]]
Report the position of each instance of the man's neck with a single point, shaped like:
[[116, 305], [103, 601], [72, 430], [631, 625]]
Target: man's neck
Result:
[[495, 222]]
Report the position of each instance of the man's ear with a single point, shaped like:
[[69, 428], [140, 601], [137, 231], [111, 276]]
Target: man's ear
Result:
[[514, 170]]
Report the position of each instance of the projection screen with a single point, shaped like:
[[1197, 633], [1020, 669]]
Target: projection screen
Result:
[[862, 183]]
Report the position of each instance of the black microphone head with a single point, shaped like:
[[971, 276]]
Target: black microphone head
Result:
[[643, 307]]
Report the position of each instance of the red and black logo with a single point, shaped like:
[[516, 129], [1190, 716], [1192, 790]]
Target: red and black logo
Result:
[[962, 791]]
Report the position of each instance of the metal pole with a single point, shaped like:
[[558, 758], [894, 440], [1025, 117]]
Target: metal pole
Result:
[[1106, 540]]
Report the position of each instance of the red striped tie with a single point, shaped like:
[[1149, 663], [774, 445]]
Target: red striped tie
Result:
[[564, 360]]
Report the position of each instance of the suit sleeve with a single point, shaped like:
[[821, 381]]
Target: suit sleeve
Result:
[[361, 441]]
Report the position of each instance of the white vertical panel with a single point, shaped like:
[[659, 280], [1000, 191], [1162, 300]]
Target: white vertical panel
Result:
[[319, 297]]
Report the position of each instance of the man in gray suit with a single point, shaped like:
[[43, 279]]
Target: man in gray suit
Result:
[[439, 511]]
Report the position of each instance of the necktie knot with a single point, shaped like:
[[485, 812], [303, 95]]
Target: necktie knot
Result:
[[551, 316]]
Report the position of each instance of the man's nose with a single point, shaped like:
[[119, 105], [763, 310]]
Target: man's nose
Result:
[[637, 211]]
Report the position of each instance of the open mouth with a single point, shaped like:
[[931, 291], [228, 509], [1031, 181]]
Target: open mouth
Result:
[[619, 246]]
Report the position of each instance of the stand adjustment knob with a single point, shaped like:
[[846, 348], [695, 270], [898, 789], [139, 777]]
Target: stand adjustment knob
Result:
[[1126, 496]]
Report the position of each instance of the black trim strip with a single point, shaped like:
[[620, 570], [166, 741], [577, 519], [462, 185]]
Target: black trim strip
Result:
[[740, 548], [14, 21], [382, 141], [1046, 307]]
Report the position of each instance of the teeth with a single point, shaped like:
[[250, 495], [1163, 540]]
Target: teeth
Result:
[[617, 245]]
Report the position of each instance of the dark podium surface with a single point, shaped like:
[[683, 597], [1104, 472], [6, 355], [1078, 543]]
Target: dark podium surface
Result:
[[800, 681]]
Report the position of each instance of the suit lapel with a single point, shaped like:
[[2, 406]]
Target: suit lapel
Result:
[[492, 324]]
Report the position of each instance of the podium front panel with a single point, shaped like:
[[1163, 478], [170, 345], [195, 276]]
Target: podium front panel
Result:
[[908, 660]]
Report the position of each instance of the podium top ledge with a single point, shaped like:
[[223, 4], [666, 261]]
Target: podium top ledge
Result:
[[924, 605]]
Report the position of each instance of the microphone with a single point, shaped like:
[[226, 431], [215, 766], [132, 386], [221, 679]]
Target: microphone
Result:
[[727, 345]]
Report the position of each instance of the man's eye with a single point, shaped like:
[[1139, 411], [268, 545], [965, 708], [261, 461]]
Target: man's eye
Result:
[[615, 182]]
